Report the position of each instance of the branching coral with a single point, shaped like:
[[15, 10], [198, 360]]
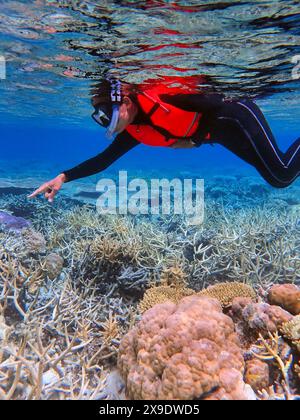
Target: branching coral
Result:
[[108, 263], [269, 349], [173, 276], [59, 350], [254, 244]]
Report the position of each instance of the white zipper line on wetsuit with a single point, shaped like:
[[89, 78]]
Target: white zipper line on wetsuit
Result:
[[250, 110], [294, 155], [257, 151]]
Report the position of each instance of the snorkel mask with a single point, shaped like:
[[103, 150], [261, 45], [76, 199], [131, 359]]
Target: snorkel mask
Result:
[[108, 116]]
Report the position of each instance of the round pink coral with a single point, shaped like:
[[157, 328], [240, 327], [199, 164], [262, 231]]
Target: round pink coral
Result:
[[287, 296], [185, 351]]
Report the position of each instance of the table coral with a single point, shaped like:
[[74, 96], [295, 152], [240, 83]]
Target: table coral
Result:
[[225, 293], [162, 294], [287, 296], [185, 351]]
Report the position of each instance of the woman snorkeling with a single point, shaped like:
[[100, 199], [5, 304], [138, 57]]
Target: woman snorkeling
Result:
[[181, 119]]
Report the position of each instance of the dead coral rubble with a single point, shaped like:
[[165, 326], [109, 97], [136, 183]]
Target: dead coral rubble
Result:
[[184, 351]]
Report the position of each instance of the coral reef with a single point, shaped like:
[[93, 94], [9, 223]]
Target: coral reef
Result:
[[225, 293], [53, 265], [252, 319], [162, 294], [9, 222], [184, 351], [257, 374], [291, 331], [287, 296], [275, 350], [71, 285], [174, 289]]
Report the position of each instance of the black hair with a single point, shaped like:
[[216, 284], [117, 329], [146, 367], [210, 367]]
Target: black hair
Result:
[[101, 93]]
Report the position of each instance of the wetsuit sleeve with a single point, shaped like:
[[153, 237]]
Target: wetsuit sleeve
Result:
[[195, 102], [119, 147]]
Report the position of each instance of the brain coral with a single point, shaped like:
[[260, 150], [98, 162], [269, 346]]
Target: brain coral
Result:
[[185, 351]]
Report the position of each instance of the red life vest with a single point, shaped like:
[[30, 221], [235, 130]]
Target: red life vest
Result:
[[168, 123]]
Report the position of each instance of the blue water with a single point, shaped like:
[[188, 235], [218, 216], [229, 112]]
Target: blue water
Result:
[[56, 149], [56, 51]]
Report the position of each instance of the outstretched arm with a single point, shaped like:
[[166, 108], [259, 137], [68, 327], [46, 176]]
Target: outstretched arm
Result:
[[121, 145]]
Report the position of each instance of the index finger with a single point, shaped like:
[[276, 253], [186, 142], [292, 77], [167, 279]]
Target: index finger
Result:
[[40, 190]]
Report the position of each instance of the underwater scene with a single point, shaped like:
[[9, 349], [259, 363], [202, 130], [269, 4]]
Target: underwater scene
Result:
[[149, 200]]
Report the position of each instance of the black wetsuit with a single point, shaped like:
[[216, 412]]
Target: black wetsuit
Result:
[[238, 125]]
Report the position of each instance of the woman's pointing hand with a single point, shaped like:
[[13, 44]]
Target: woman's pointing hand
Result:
[[50, 188]]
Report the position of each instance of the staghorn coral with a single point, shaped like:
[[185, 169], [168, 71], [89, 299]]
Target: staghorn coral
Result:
[[225, 293], [184, 351], [173, 276], [243, 238], [271, 349], [58, 342], [291, 331], [287, 296]]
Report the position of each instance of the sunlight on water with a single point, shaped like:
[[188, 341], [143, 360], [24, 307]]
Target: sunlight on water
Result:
[[55, 49]]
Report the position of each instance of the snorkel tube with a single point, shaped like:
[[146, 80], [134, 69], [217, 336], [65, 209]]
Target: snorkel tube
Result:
[[116, 99], [114, 122]]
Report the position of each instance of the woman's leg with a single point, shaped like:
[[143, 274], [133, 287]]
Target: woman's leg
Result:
[[241, 127]]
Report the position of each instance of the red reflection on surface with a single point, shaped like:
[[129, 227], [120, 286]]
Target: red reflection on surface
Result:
[[175, 84], [176, 45], [163, 31]]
